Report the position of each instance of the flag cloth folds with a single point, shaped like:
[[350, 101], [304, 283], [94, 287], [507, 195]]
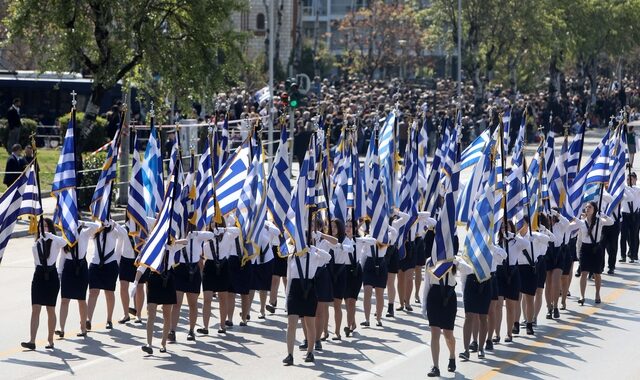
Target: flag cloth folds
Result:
[[377, 207], [618, 170], [298, 216], [472, 154], [63, 188], [101, 201], [204, 207], [279, 188], [230, 179], [480, 235], [152, 173], [20, 199], [136, 210]]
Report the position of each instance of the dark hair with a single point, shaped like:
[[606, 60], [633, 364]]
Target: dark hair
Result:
[[340, 233], [50, 226], [543, 220], [593, 218]]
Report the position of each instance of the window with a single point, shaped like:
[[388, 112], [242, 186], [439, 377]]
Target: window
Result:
[[260, 22]]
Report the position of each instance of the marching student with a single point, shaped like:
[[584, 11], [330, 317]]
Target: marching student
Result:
[[217, 244], [279, 272], [74, 277], [508, 278], [406, 269], [424, 250], [45, 284], [539, 241], [590, 225], [556, 258], [263, 265], [301, 297], [494, 316], [323, 281], [103, 269], [161, 290], [398, 220], [611, 234], [127, 274], [339, 263], [477, 301], [188, 280], [439, 305], [354, 276], [570, 257], [240, 272], [629, 228]]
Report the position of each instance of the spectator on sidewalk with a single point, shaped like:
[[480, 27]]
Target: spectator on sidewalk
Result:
[[14, 124], [15, 165]]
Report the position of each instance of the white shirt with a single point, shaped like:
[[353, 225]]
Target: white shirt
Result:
[[429, 280], [425, 222], [499, 255], [317, 258], [349, 249], [363, 247], [540, 242], [109, 242], [631, 198], [397, 224], [562, 230], [226, 247], [192, 250], [583, 231], [57, 243], [270, 236], [124, 247], [517, 245], [84, 236]]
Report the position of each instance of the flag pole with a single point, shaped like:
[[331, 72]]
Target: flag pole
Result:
[[325, 183], [504, 184], [37, 171], [116, 153]]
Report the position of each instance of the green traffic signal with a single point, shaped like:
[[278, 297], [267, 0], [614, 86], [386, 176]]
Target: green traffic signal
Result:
[[294, 103]]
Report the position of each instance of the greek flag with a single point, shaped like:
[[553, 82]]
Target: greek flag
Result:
[[221, 144], [262, 95], [617, 179], [432, 194], [423, 151], [577, 187], [152, 173], [204, 207], [409, 194], [177, 227], [342, 181], [557, 177], [479, 237], [279, 187], [152, 254], [63, 188], [377, 207], [387, 152], [600, 170], [473, 153], [20, 199], [135, 205], [230, 179], [251, 204], [468, 197], [297, 221], [573, 156], [188, 194], [506, 121], [515, 180], [498, 207], [101, 201]]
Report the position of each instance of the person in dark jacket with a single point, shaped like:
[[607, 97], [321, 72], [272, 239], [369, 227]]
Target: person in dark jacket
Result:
[[14, 124], [15, 165]]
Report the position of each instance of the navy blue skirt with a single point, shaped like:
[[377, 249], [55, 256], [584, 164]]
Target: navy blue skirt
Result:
[[324, 284], [528, 279], [591, 258], [45, 286], [75, 280], [541, 272], [127, 269], [354, 281], [215, 276], [339, 281], [494, 287], [393, 260], [188, 278], [302, 300], [428, 239], [421, 250], [375, 274], [508, 282], [477, 295], [409, 259], [261, 278], [240, 276], [279, 265], [442, 306], [103, 277], [161, 289]]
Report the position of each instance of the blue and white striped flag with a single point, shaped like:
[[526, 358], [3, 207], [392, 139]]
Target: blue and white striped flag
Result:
[[468, 197], [515, 179], [251, 212], [135, 205], [377, 206], [279, 188], [20, 199], [297, 222], [387, 154], [204, 207], [177, 228], [479, 237], [618, 170], [101, 202], [230, 179], [600, 170], [342, 180], [473, 153], [574, 155], [152, 173], [63, 188], [152, 254], [433, 182]]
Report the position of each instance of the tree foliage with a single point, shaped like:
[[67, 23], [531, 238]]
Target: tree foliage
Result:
[[187, 47]]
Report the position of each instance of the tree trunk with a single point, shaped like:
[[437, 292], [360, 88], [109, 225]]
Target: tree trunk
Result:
[[91, 113]]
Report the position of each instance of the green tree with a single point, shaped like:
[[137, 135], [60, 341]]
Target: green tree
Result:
[[186, 47]]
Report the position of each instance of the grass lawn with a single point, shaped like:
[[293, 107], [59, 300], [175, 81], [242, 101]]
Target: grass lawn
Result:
[[47, 158]]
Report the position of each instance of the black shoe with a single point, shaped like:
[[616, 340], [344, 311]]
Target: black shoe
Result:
[[417, 300], [133, 311], [581, 301], [288, 360], [489, 345], [408, 308], [271, 308], [598, 300], [163, 350], [309, 358], [452, 365], [435, 372], [28, 345], [496, 339], [530, 328], [304, 345], [228, 323], [516, 328], [124, 320], [82, 334], [464, 355], [549, 313], [318, 346], [148, 350], [138, 321], [347, 331], [400, 308], [577, 274], [203, 331], [379, 323], [109, 325], [610, 272], [49, 346], [622, 260], [365, 323], [87, 324], [390, 311], [556, 313], [172, 336], [631, 261], [481, 354], [261, 316], [337, 337], [325, 337], [243, 324], [191, 336], [222, 331], [508, 339], [473, 347], [59, 333]]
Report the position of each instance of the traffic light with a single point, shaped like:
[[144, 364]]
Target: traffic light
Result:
[[295, 99]]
